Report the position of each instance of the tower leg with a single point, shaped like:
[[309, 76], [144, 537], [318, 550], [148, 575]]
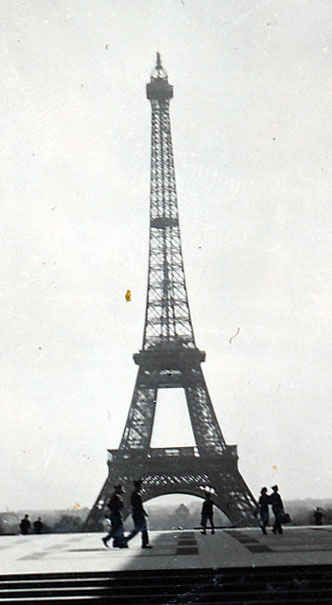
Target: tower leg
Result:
[[207, 432], [138, 430]]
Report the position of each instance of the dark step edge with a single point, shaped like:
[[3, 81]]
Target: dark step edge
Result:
[[264, 569], [156, 580], [223, 585], [174, 592], [108, 601]]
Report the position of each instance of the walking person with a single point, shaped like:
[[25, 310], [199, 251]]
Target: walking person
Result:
[[25, 525], [263, 509], [207, 514], [139, 516], [115, 505], [318, 516], [38, 526], [278, 509]]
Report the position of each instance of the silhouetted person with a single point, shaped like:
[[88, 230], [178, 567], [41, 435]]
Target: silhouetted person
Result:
[[207, 513], [263, 509], [115, 505], [318, 516], [25, 525], [38, 526], [278, 509], [139, 516]]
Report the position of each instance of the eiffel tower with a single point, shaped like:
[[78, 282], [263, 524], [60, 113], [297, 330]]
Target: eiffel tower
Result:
[[170, 359]]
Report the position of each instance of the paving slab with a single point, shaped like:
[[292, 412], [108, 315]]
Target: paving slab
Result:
[[245, 547]]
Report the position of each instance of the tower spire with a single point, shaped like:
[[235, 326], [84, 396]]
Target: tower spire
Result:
[[159, 72]]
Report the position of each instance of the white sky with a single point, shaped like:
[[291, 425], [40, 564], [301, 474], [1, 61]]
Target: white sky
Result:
[[252, 134]]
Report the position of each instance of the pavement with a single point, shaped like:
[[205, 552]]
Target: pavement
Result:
[[181, 549]]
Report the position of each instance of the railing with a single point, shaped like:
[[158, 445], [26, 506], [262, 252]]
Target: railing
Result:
[[171, 452]]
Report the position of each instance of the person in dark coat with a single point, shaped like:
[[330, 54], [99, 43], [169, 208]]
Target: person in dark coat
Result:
[[25, 525], [207, 514], [263, 509], [278, 509], [115, 505], [38, 526], [318, 516], [139, 516]]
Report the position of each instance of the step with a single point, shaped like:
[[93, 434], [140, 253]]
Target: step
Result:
[[174, 593], [234, 586], [166, 601]]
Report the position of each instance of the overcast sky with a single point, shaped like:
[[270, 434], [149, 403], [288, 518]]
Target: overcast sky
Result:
[[252, 135]]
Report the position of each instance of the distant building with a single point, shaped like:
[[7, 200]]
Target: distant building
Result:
[[9, 523]]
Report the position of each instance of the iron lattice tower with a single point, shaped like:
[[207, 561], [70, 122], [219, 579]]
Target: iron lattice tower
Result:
[[169, 358]]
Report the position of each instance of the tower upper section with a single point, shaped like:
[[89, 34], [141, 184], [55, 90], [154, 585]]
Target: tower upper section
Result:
[[168, 327]]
